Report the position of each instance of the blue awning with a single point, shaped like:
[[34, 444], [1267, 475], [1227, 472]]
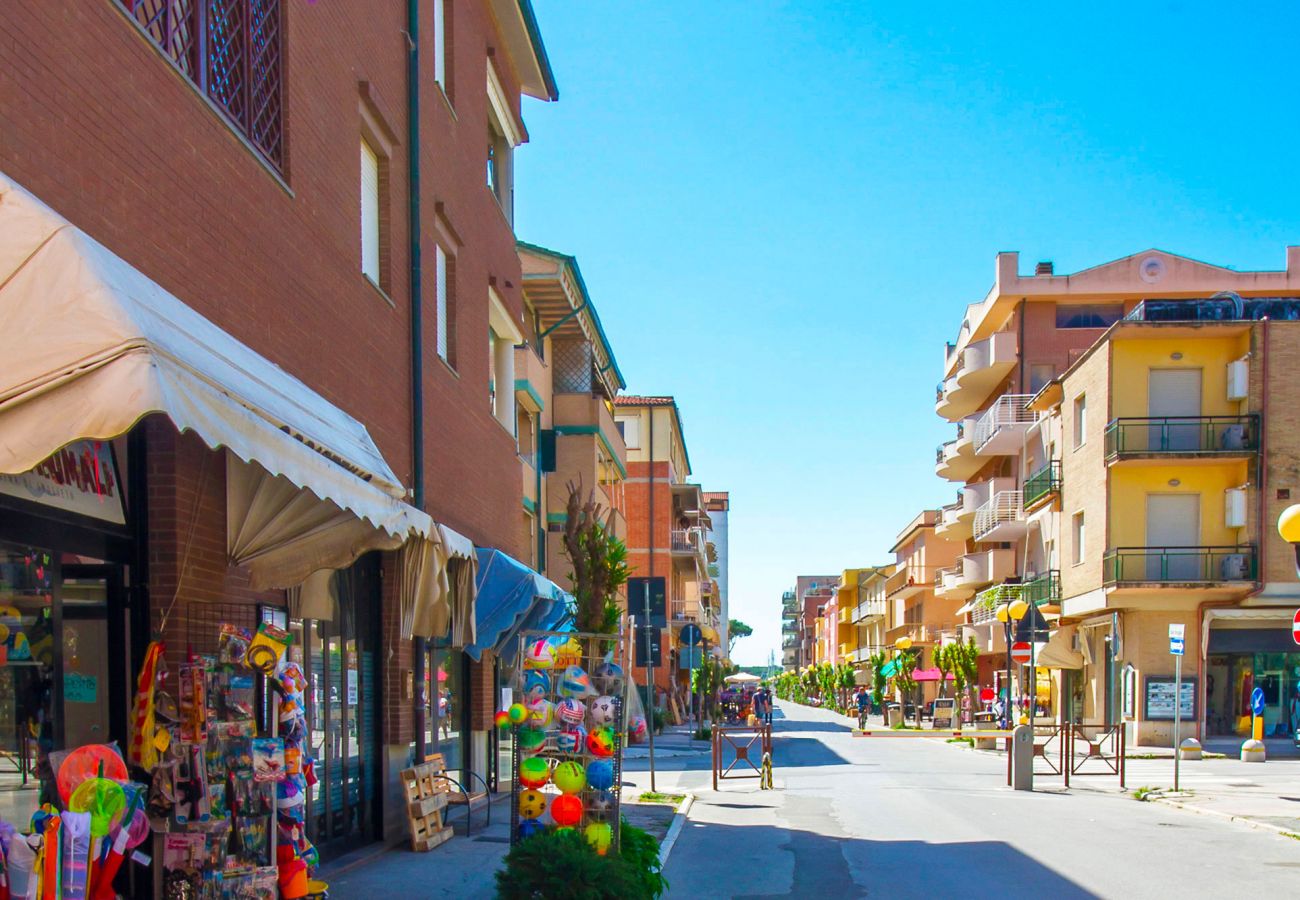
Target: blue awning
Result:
[[512, 598]]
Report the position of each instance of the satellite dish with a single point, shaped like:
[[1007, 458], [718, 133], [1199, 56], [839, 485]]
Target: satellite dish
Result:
[[1151, 269]]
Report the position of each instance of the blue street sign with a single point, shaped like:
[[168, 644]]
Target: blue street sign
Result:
[[1257, 701], [1176, 646]]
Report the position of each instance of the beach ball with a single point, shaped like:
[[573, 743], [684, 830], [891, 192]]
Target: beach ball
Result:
[[637, 729], [608, 677], [600, 835], [600, 742], [569, 653], [530, 827], [537, 684], [600, 774], [518, 713], [566, 810], [569, 777], [534, 771], [541, 713], [570, 711], [602, 804], [539, 655], [531, 741], [571, 740], [575, 683], [603, 710], [531, 804], [502, 719]]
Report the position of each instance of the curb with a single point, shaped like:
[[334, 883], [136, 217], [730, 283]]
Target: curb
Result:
[[674, 829], [1230, 817]]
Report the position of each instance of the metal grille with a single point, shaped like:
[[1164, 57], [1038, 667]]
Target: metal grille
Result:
[[232, 50], [571, 367]]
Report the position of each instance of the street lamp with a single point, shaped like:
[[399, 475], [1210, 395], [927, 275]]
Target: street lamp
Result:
[[1288, 525], [902, 645], [1007, 613]]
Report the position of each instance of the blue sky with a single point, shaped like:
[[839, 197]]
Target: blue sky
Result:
[[782, 208]]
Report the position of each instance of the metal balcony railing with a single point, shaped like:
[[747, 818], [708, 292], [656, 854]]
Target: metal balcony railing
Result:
[[1003, 508], [1182, 434], [1043, 483], [1007, 411], [1046, 588], [1179, 565]]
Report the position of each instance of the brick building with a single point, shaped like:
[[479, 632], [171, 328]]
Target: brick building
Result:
[[255, 160]]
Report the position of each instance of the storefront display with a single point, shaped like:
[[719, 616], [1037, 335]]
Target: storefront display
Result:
[[568, 736]]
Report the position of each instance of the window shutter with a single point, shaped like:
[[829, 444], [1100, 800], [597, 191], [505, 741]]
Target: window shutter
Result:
[[546, 448], [440, 279], [369, 213]]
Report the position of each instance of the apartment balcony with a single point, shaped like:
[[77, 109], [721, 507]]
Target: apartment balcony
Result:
[[956, 459], [846, 650], [919, 633], [1045, 590], [687, 547], [1182, 438], [956, 519], [985, 567], [980, 368], [845, 615], [906, 582], [1000, 430], [789, 626], [869, 611], [790, 644], [1043, 486], [1002, 518], [948, 584], [1178, 566]]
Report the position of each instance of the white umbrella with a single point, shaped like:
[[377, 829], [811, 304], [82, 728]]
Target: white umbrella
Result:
[[741, 678]]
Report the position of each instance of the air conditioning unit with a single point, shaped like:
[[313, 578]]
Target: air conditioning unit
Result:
[[1234, 437], [1234, 567], [1234, 508], [1238, 380]]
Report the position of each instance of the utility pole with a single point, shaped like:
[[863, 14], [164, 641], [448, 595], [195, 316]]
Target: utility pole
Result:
[[650, 680]]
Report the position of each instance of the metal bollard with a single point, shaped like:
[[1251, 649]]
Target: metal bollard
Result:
[[1022, 758]]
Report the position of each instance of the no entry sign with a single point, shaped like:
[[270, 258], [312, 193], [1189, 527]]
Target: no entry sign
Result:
[[1020, 652], [1295, 627]]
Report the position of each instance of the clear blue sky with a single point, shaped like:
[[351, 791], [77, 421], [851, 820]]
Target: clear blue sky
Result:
[[782, 208]]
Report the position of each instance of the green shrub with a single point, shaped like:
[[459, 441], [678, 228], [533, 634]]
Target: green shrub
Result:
[[562, 866], [640, 851]]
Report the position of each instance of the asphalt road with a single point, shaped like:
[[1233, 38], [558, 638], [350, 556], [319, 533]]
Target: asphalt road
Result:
[[856, 817]]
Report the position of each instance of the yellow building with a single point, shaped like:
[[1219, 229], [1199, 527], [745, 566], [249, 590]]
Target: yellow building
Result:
[[1178, 447], [861, 601]]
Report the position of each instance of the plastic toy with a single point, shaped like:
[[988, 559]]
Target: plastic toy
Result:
[[575, 683], [600, 742], [608, 677], [531, 804], [572, 739], [566, 810], [571, 711], [569, 653], [602, 805], [637, 729], [603, 710], [530, 827], [539, 655], [569, 777], [86, 762], [502, 720], [518, 713], [600, 835], [537, 684], [531, 741], [541, 713], [600, 774], [534, 772]]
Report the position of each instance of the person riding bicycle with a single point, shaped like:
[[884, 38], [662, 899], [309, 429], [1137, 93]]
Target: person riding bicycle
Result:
[[864, 706]]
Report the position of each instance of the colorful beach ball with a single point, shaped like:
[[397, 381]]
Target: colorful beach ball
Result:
[[569, 777], [502, 719], [600, 835], [534, 771], [600, 742], [571, 711], [602, 804], [541, 713], [637, 730], [531, 804], [571, 740], [566, 810], [569, 653], [608, 677], [575, 683], [518, 713], [539, 655], [537, 684], [531, 741], [530, 827], [600, 774], [603, 711]]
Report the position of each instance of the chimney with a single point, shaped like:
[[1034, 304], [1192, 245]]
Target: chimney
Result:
[[1043, 268]]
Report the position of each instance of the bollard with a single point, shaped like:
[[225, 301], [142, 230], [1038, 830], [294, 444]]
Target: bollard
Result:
[[1252, 751], [1022, 758], [1190, 749]]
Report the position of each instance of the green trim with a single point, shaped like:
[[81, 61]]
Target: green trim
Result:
[[594, 429], [531, 505], [557, 517], [535, 38], [523, 384]]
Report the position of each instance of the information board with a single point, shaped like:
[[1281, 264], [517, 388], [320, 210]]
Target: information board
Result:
[[1158, 703], [945, 709]]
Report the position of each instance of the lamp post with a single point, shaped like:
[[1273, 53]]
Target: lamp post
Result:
[[1007, 613]]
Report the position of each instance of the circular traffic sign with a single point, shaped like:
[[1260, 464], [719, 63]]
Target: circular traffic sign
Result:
[[987, 695], [690, 635], [1295, 627], [1020, 652]]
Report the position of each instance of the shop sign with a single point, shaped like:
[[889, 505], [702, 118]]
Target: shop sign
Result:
[[78, 688], [1159, 704], [81, 478], [943, 712]]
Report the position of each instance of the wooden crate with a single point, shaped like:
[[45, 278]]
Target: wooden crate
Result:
[[426, 798]]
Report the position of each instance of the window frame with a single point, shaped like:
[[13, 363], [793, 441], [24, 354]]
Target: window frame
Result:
[[1079, 423], [372, 266], [1078, 537]]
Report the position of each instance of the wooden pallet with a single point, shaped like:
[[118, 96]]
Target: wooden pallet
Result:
[[426, 798]]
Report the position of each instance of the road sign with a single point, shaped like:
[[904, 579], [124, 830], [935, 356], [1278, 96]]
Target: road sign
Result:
[[1020, 652], [648, 635], [1257, 701], [1295, 627], [987, 695], [636, 591], [1176, 644], [690, 635]]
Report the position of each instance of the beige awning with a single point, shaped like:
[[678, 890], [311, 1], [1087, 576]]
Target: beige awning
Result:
[[437, 586], [90, 345], [1057, 652]]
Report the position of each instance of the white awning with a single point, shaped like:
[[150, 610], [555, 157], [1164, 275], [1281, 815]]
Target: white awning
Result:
[[1057, 652], [89, 345]]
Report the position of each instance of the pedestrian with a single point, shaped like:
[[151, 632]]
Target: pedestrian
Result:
[[1295, 714]]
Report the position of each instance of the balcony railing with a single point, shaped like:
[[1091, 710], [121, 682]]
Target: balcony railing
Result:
[[1043, 483], [1044, 589], [1179, 565], [1007, 414], [1182, 434], [1004, 509]]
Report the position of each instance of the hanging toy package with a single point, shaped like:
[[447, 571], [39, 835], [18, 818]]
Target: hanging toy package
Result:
[[267, 648]]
